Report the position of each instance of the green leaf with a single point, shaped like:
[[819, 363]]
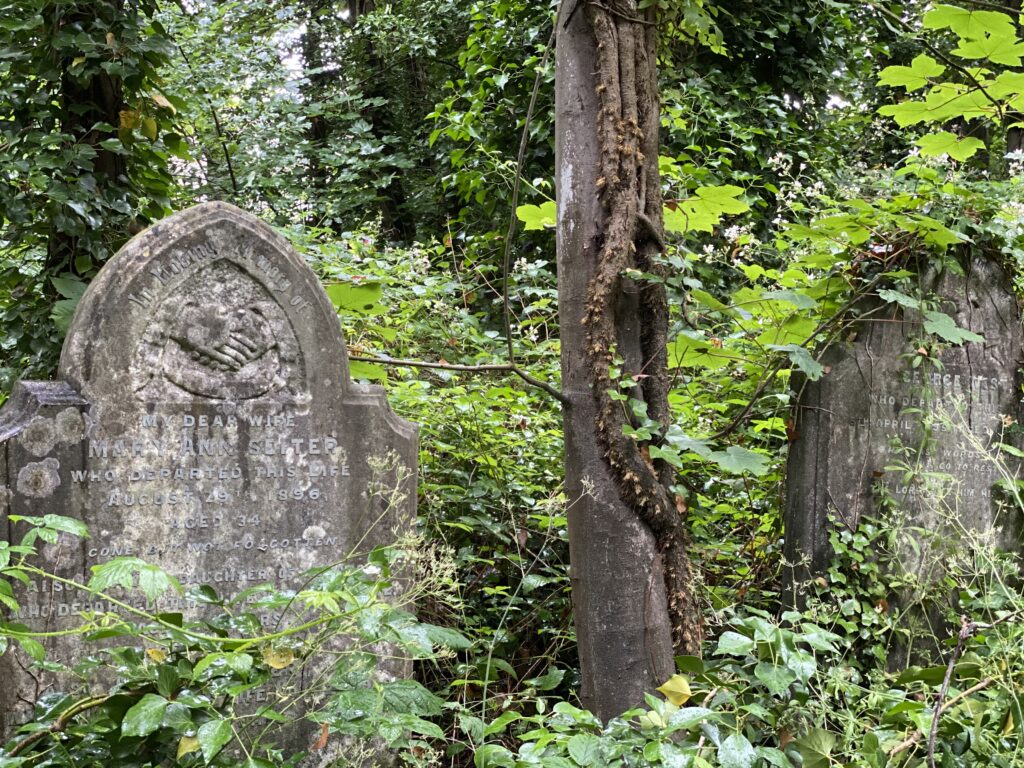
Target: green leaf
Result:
[[691, 351], [359, 370], [734, 644], [69, 287], [121, 572], [942, 325], [63, 312], [672, 457], [409, 696], [67, 525], [145, 717], [360, 299], [774, 757], [501, 722], [447, 637], [704, 210], [946, 143], [685, 718], [1000, 49], [896, 297], [738, 460], [585, 749], [907, 113], [916, 76], [213, 735], [969, 24], [802, 359], [536, 217], [708, 300], [816, 748], [775, 678], [549, 680], [736, 752], [493, 756]]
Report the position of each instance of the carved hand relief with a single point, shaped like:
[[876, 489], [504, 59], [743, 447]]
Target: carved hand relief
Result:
[[219, 335]]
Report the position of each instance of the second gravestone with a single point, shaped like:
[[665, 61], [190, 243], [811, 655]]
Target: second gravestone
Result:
[[922, 438], [204, 422]]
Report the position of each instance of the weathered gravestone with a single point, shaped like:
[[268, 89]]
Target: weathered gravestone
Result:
[[205, 422], [923, 437]]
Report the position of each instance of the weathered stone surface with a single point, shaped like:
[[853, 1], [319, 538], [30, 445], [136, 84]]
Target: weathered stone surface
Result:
[[204, 421], [925, 437]]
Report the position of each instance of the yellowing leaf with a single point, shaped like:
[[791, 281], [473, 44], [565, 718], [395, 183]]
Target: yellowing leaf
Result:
[[186, 745], [77, 60], [111, 39], [157, 654], [676, 689], [161, 101], [149, 128], [278, 658], [129, 118]]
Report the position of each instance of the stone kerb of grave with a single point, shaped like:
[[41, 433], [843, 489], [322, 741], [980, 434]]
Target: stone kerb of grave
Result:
[[204, 421], [923, 437]]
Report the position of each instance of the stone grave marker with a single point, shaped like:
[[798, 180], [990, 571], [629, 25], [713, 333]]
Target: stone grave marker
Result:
[[203, 421], [924, 437]]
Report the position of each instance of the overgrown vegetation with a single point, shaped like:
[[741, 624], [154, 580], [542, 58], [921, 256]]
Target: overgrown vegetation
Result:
[[812, 153]]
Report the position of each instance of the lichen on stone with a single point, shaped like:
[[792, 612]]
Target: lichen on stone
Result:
[[70, 426], [39, 436], [39, 479]]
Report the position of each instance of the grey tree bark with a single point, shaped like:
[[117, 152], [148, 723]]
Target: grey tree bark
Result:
[[631, 580]]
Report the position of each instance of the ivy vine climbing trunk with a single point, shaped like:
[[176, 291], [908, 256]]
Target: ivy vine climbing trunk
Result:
[[631, 575]]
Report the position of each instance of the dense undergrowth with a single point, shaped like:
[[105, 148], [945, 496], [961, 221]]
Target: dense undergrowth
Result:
[[778, 216]]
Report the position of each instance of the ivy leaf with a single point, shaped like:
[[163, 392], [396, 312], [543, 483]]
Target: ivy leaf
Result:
[[536, 217], [672, 457], [816, 747], [213, 735], [946, 143], [916, 76], [145, 717], [736, 752], [942, 325]]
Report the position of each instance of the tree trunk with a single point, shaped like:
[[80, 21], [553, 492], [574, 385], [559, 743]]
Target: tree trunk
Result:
[[631, 576]]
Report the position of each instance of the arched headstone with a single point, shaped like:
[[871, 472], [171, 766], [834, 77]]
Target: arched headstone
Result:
[[203, 421]]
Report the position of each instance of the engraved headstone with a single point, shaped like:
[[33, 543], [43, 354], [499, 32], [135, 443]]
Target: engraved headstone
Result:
[[922, 438], [204, 421]]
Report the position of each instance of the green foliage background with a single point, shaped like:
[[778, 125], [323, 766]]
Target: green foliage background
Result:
[[383, 142]]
